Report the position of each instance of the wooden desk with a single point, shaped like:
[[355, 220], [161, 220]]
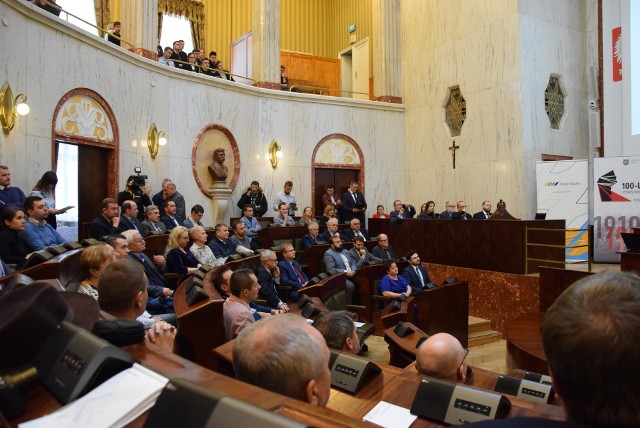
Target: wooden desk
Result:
[[479, 244], [268, 235], [630, 262], [65, 267], [313, 255], [367, 276], [553, 282], [444, 309], [524, 344], [156, 244]]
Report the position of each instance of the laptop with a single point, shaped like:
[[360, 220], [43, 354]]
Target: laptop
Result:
[[632, 241]]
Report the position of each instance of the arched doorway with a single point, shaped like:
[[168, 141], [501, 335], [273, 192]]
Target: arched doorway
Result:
[[86, 146], [337, 159]]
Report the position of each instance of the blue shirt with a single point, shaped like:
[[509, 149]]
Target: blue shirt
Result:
[[40, 237], [395, 286]]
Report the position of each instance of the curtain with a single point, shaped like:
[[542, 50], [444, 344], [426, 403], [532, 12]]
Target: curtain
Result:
[[160, 15], [102, 14], [193, 10]]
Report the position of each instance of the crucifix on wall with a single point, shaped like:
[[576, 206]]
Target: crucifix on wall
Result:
[[453, 149]]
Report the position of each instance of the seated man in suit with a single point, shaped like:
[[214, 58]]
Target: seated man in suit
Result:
[[360, 255], [293, 359], [129, 217], [332, 229], [336, 258], [313, 237], [339, 331], [353, 231], [383, 250], [119, 244], [401, 211], [416, 274], [485, 213], [152, 224], [170, 218], [461, 214], [38, 234], [268, 274], [223, 247], [160, 299], [443, 357], [291, 274], [238, 314], [446, 214], [195, 217], [107, 222], [589, 338]]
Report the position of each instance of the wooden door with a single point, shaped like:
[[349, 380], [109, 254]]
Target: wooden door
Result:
[[339, 177], [92, 184]]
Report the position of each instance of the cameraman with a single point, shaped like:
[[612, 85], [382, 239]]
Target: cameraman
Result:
[[133, 191], [286, 197], [253, 196]]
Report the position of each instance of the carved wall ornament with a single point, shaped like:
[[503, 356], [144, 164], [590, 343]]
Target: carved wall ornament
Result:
[[215, 159]]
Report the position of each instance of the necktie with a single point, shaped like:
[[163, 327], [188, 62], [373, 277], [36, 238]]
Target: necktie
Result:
[[315, 241], [300, 277], [487, 215], [2, 272], [155, 225], [354, 197], [388, 255], [175, 221], [346, 262], [420, 276]]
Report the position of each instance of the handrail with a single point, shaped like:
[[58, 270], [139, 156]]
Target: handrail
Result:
[[323, 88], [527, 244], [213, 69], [88, 23]]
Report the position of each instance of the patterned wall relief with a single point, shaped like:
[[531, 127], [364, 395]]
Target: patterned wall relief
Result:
[[454, 112], [210, 138], [554, 97]]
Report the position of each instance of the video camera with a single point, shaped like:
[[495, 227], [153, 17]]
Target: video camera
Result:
[[139, 179]]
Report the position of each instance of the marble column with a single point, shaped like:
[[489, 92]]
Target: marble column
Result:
[[220, 202], [266, 43], [387, 80], [140, 27]]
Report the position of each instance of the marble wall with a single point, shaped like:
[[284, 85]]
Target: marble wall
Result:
[[45, 58], [501, 54]]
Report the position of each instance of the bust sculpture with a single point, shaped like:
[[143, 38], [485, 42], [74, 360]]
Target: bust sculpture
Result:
[[217, 169]]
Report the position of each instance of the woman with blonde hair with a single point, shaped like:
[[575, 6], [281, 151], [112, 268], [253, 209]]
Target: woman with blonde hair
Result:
[[179, 259], [329, 212], [307, 217], [202, 252], [93, 260]]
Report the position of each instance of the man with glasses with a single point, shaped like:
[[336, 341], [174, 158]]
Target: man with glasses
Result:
[[383, 250], [446, 214], [268, 274], [443, 357], [291, 274], [461, 214]]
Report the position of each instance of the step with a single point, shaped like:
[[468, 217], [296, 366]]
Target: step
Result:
[[477, 325], [483, 337]]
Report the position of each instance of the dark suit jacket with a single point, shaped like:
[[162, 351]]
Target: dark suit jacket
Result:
[[129, 224], [146, 227], [157, 201], [348, 234], [367, 260], [260, 204], [410, 212], [100, 227], [327, 236], [412, 277], [332, 260], [326, 200], [154, 276], [445, 215], [7, 270], [480, 215], [524, 422], [169, 223], [460, 215], [307, 240], [348, 204], [222, 249], [380, 253], [289, 277], [268, 287]]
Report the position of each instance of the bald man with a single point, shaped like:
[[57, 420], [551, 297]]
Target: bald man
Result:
[[443, 357], [286, 355]]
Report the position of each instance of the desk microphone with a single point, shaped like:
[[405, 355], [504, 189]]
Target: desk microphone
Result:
[[12, 388]]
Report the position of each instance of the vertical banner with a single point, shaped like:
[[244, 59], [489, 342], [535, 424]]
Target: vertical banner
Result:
[[616, 204], [563, 193], [616, 53]]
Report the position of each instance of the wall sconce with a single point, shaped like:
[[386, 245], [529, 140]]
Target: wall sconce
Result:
[[275, 153], [10, 108], [155, 139]]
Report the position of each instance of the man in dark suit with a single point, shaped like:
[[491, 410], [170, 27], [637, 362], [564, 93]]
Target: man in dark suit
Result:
[[361, 255], [401, 211], [353, 231], [446, 214], [291, 274], [383, 250], [313, 237], [461, 214], [107, 222], [129, 217], [416, 274], [160, 299], [152, 224], [336, 258], [169, 217], [353, 204], [268, 275], [485, 213], [332, 229]]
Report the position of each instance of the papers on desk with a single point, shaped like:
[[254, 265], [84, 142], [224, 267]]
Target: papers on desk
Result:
[[389, 415], [116, 402], [359, 324]]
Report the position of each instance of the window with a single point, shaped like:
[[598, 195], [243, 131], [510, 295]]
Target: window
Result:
[[67, 190], [82, 9], [176, 28]]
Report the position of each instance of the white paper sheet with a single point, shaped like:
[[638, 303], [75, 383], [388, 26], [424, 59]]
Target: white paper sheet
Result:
[[389, 415]]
